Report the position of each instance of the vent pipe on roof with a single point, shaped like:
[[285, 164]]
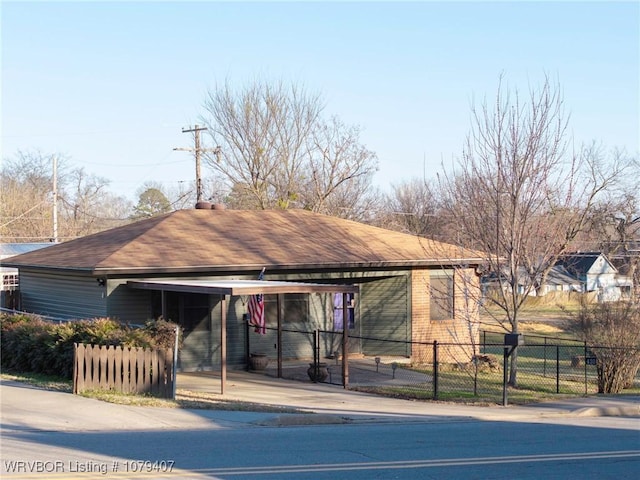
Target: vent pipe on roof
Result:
[[203, 205]]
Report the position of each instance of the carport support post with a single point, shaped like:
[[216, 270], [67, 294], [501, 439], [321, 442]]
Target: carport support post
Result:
[[345, 341], [223, 344], [175, 361], [280, 307], [247, 343]]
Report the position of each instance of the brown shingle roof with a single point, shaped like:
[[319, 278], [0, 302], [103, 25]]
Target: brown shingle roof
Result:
[[199, 240]]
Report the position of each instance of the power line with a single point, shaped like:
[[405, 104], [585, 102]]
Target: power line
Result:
[[24, 213], [108, 164]]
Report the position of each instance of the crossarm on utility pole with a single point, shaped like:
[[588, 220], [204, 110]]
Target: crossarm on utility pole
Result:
[[198, 150]]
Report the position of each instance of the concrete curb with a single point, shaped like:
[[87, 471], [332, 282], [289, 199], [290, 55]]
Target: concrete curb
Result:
[[292, 419], [622, 411], [312, 418]]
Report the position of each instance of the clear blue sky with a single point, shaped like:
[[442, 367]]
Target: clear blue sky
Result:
[[111, 84]]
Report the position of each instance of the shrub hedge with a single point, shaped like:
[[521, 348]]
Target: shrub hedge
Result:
[[31, 345]]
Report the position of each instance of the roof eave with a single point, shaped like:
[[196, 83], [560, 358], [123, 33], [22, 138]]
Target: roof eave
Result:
[[107, 270], [47, 267], [295, 266]]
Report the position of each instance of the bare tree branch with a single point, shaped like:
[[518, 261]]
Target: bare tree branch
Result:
[[277, 152]]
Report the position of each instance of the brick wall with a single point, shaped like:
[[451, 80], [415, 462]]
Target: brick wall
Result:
[[456, 330]]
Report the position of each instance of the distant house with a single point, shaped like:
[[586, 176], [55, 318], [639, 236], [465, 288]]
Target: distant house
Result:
[[192, 267], [596, 273], [628, 265], [561, 280], [9, 284], [575, 272]]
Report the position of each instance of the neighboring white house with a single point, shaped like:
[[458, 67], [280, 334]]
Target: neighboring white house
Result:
[[558, 280], [596, 274], [576, 272]]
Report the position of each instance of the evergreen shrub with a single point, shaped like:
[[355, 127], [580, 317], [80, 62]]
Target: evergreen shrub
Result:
[[30, 344]]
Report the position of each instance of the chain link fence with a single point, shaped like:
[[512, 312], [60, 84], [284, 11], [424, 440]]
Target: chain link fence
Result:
[[443, 371]]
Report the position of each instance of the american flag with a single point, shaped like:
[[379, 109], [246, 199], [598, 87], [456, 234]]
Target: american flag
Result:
[[256, 310]]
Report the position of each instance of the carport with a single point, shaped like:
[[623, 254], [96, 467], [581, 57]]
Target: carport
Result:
[[228, 288]]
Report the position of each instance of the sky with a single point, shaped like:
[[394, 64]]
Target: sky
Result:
[[111, 85]]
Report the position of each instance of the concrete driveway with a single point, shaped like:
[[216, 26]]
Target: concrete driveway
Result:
[[334, 400]]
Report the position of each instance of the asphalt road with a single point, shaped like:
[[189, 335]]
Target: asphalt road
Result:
[[75, 443], [605, 448]]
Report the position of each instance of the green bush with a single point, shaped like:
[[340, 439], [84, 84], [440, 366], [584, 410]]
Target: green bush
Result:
[[24, 344], [32, 345]]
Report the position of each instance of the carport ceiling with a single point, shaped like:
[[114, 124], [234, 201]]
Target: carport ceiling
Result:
[[240, 287]]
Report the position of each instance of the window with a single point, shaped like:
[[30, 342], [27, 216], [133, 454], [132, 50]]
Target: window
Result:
[[441, 297], [338, 312], [296, 308]]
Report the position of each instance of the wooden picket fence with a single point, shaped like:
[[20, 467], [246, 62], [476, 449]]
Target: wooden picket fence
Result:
[[123, 369]]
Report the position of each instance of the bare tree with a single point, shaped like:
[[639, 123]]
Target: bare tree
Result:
[[86, 206], [26, 200], [277, 152], [614, 225], [183, 195], [612, 332], [262, 131], [26, 197], [339, 169], [413, 207], [520, 194]]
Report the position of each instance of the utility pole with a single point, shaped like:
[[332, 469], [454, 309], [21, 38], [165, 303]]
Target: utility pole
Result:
[[55, 199], [197, 151]]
